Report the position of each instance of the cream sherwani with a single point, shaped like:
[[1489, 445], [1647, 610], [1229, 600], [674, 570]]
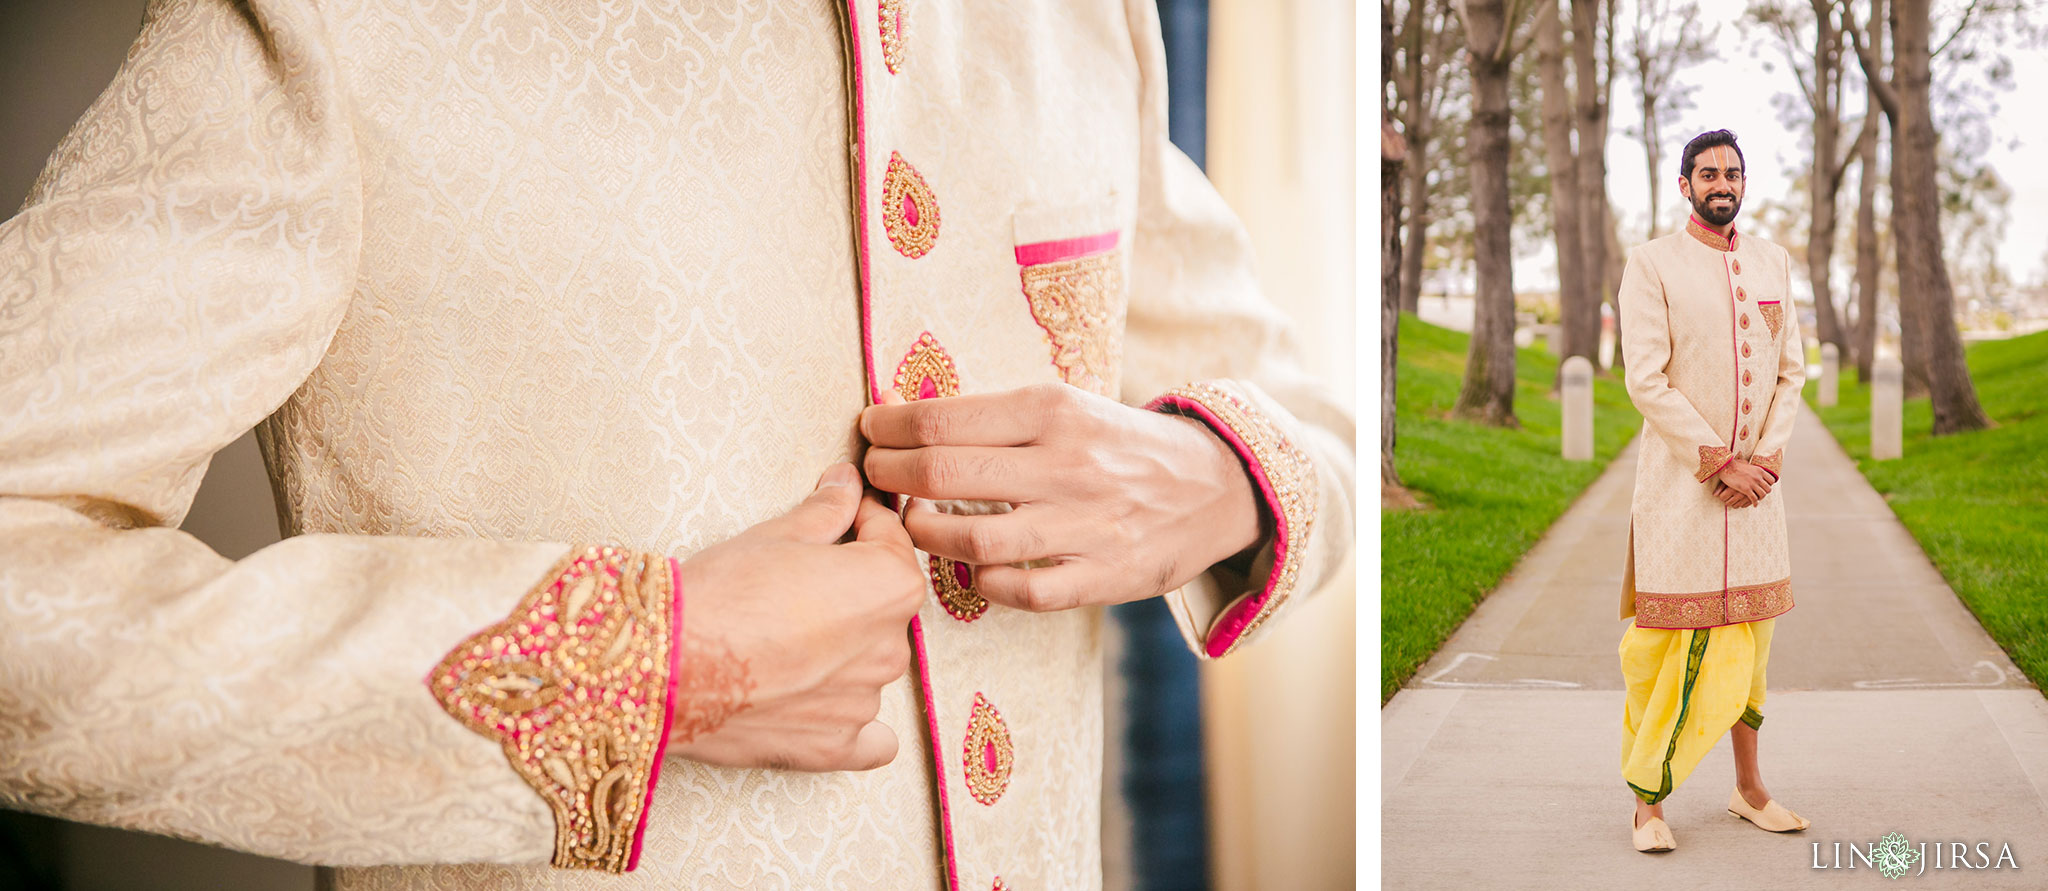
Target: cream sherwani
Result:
[[1715, 364], [528, 300]]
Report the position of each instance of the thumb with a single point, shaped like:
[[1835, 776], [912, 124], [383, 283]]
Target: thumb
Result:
[[828, 512]]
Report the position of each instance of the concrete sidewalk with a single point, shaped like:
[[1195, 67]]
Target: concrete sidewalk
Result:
[[1889, 709]]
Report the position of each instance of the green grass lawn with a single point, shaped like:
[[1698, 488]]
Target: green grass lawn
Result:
[[1492, 491], [1977, 502]]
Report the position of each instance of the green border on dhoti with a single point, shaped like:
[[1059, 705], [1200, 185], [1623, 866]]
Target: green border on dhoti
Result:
[[1752, 717], [1693, 656]]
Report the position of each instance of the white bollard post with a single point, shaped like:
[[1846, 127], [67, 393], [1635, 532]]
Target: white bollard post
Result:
[[1887, 393], [1578, 409], [1830, 375]]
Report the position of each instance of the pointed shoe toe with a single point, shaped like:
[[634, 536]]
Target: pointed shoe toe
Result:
[[1772, 816], [1653, 836]]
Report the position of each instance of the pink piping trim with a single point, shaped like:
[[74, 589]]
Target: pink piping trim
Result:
[[1233, 621], [867, 361], [860, 143], [1734, 353], [931, 720], [668, 707], [1065, 248]]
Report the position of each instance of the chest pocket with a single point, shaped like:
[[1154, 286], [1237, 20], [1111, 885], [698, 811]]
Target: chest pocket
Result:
[[1070, 268]]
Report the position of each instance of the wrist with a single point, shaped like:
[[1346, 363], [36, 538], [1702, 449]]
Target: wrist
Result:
[[1231, 524]]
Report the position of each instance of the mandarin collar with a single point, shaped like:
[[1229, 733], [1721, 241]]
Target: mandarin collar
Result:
[[1709, 237]]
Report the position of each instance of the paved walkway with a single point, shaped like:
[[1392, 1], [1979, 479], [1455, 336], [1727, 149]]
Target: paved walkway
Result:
[[1889, 709]]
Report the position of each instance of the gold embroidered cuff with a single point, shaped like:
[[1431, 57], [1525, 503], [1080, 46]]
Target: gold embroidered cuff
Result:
[[576, 685], [1712, 459], [1773, 462], [1286, 481]]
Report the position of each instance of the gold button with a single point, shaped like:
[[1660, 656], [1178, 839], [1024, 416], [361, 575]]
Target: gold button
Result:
[[1745, 321], [1745, 431], [1745, 351], [1745, 377], [1738, 266], [1745, 406], [1741, 294]]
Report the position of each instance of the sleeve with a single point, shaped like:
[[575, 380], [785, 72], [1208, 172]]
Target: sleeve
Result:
[[1646, 353], [1777, 429], [176, 273], [1201, 340]]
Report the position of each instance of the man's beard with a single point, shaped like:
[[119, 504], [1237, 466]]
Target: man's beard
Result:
[[1704, 207]]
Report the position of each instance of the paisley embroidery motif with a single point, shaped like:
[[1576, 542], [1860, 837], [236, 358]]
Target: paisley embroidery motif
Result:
[[1712, 459], [986, 753], [910, 214], [1773, 462], [926, 371], [1080, 304], [575, 686], [1774, 315], [953, 581], [892, 35]]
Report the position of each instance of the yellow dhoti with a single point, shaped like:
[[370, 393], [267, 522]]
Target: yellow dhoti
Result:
[[1686, 686]]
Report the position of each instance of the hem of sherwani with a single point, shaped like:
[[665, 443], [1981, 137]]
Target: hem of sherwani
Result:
[[579, 685], [1701, 679], [1713, 609], [1284, 478]]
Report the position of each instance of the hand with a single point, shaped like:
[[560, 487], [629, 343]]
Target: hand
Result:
[[1128, 503], [1745, 478], [1730, 497], [789, 636]]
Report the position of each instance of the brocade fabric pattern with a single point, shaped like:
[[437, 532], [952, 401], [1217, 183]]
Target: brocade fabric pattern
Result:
[[491, 279]]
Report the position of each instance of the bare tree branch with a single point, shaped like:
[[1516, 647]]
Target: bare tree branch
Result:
[[1965, 23], [1841, 167], [1873, 68]]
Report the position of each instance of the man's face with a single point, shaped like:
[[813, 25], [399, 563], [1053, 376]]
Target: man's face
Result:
[[1715, 187]]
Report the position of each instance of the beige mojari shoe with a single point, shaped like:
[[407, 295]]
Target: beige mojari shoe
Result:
[[1773, 816], [1654, 835]]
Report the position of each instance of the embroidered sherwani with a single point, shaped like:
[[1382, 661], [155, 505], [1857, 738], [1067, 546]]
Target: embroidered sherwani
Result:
[[1714, 364], [529, 301]]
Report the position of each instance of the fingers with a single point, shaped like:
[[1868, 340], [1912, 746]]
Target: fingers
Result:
[[976, 472], [876, 522], [824, 516], [985, 540], [1036, 590], [1012, 417], [874, 747]]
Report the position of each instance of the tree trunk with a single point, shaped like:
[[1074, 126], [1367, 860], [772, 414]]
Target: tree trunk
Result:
[[1948, 375], [1488, 394], [1823, 184], [1581, 314], [1652, 154], [1906, 228], [1572, 288], [1392, 153], [1415, 172], [1865, 339]]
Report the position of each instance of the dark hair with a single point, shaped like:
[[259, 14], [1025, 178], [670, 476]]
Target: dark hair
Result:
[[1706, 141]]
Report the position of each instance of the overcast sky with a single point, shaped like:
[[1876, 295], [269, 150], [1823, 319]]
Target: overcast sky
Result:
[[1736, 92]]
